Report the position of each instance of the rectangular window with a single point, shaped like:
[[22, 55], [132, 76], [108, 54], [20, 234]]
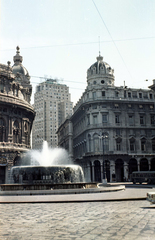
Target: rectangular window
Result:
[[117, 119], [88, 119], [143, 146], [94, 95], [151, 96], [140, 95], [95, 119], [129, 94], [152, 119], [142, 120], [132, 146], [153, 145], [106, 144], [131, 120], [116, 94], [118, 146], [103, 93], [104, 118]]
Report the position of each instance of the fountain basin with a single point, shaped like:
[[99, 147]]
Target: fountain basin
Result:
[[56, 174], [47, 186]]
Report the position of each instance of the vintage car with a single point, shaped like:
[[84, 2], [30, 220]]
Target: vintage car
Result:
[[151, 197]]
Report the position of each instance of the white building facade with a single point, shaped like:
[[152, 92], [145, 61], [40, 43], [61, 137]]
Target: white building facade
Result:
[[112, 130], [52, 105]]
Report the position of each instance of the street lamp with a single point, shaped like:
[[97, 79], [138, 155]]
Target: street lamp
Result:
[[104, 136]]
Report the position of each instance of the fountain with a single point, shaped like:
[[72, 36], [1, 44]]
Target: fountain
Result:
[[49, 166], [50, 169]]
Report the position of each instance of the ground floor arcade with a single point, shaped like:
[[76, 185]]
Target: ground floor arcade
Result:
[[118, 169]]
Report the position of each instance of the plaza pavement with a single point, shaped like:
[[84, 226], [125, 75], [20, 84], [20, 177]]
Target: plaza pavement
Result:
[[114, 220], [118, 215]]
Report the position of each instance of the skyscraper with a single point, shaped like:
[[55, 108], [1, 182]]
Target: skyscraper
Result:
[[52, 105]]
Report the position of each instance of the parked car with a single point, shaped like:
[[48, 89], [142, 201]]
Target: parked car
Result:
[[151, 197]]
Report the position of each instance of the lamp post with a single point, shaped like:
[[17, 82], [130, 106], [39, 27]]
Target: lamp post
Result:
[[104, 135]]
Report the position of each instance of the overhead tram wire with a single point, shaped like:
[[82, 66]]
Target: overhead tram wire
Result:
[[111, 38], [46, 78], [84, 43]]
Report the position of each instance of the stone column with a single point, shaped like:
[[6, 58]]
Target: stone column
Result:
[[93, 173], [91, 143], [138, 163], [6, 174], [149, 162], [101, 171], [112, 170], [126, 170], [88, 175]]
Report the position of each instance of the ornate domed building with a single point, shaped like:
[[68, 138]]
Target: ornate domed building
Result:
[[112, 130], [16, 115]]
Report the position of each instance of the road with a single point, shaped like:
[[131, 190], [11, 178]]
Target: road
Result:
[[127, 220]]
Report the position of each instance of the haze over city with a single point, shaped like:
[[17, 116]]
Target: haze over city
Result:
[[61, 39]]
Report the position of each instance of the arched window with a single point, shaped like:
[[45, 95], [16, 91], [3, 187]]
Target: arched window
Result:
[[153, 144], [16, 132], [2, 130], [89, 143], [26, 133]]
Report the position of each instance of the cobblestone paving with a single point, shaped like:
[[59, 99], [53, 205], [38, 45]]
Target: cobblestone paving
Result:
[[125, 220]]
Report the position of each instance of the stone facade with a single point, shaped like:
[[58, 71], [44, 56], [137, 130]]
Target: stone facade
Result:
[[112, 130], [16, 115]]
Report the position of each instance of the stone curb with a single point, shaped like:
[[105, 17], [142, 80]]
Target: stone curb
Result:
[[63, 191]]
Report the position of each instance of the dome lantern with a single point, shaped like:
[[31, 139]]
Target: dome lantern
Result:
[[18, 67], [17, 58]]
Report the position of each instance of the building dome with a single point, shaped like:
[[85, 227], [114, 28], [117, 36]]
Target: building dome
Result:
[[101, 72], [18, 67]]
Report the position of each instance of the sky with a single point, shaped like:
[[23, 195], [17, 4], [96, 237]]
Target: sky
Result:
[[62, 38]]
